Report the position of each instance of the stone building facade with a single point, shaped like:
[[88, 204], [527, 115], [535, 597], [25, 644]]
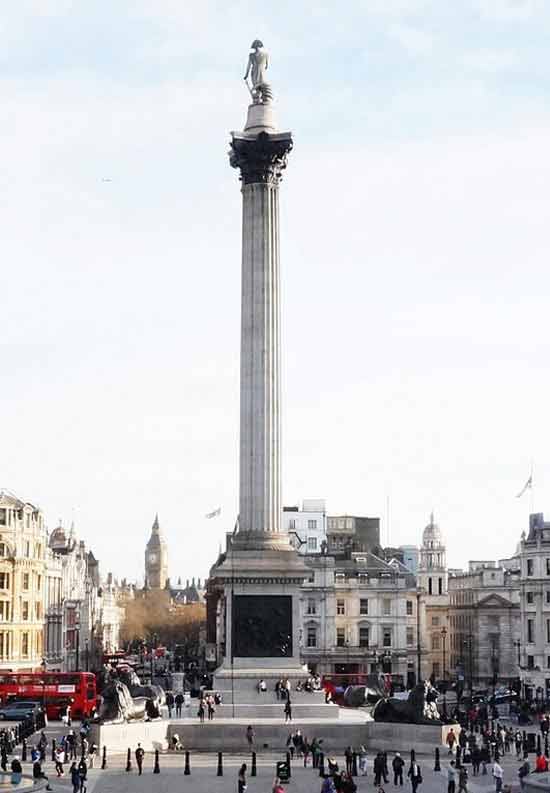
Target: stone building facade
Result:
[[306, 527], [22, 583], [347, 533], [484, 623], [534, 596], [359, 615]]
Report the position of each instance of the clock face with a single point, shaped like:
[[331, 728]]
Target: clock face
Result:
[[152, 558]]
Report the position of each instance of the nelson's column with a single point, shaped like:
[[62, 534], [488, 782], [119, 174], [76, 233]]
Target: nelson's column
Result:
[[254, 588]]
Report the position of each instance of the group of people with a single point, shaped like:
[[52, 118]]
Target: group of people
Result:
[[207, 705]]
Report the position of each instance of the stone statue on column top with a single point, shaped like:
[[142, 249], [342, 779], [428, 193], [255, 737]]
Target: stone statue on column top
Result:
[[258, 61]]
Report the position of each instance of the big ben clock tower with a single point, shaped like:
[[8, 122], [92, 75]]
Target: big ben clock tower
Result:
[[156, 559]]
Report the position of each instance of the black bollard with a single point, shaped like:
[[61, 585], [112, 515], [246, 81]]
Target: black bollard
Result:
[[187, 770], [253, 770], [220, 764], [104, 759], [288, 764], [53, 749], [321, 764], [546, 748], [129, 760], [24, 751], [156, 767], [437, 764], [458, 764], [354, 764]]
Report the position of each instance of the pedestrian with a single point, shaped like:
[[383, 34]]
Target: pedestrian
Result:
[[362, 760], [348, 754], [451, 777], [378, 768], [298, 743], [541, 764], [211, 708], [250, 735], [241, 779], [59, 758], [463, 780], [415, 776], [328, 784], [290, 745], [200, 712], [288, 711], [68, 715], [497, 776], [523, 772], [169, 703], [139, 758], [451, 740], [75, 778], [397, 765], [82, 774], [178, 699], [38, 774], [16, 771], [92, 754], [42, 746], [277, 787]]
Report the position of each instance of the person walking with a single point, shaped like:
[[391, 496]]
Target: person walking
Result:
[[363, 760], [211, 708], [451, 740], [250, 736], [378, 768], [75, 778], [451, 777], [16, 771], [170, 703], [348, 754], [82, 769], [415, 776], [38, 774], [497, 776], [200, 712], [463, 780], [241, 779], [140, 754], [398, 764], [288, 711], [178, 699], [59, 759]]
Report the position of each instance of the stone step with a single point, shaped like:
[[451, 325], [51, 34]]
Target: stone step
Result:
[[273, 711], [253, 696]]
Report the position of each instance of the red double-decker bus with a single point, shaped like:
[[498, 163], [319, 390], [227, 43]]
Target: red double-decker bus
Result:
[[55, 690]]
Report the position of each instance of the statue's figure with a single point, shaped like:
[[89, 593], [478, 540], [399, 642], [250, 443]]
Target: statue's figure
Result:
[[419, 708], [125, 699], [258, 61]]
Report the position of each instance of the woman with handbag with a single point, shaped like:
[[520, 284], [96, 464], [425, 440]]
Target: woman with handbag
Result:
[[415, 775]]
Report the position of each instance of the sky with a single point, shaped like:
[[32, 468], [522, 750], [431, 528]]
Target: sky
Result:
[[414, 245]]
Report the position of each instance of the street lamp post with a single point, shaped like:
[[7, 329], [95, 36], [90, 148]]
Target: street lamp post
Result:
[[469, 644], [87, 646]]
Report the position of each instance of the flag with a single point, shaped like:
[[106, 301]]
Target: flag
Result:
[[527, 486], [214, 514]]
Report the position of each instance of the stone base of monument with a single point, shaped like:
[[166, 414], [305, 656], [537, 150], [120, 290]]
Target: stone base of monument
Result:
[[536, 783], [392, 737], [259, 710], [229, 735], [119, 737]]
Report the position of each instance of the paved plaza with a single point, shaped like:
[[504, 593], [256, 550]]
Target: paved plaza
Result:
[[203, 778]]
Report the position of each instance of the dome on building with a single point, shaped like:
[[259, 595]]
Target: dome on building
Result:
[[432, 534]]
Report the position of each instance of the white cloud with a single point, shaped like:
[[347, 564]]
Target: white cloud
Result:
[[509, 10], [491, 61], [413, 40]]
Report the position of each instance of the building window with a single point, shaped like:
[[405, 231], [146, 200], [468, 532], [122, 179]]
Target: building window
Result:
[[341, 607], [4, 611], [530, 662], [24, 644], [529, 567], [436, 671], [386, 607], [440, 586], [3, 516], [435, 641], [430, 587], [311, 606], [530, 624], [38, 582], [4, 580], [548, 661], [363, 636], [364, 606], [386, 637], [340, 637], [312, 637], [409, 608], [292, 523], [548, 631], [312, 524], [312, 543], [435, 622], [548, 567], [548, 595], [25, 581], [530, 598], [38, 610], [410, 637], [25, 610], [2, 549]]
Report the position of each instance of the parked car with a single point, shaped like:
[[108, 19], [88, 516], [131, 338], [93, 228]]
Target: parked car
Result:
[[17, 711]]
